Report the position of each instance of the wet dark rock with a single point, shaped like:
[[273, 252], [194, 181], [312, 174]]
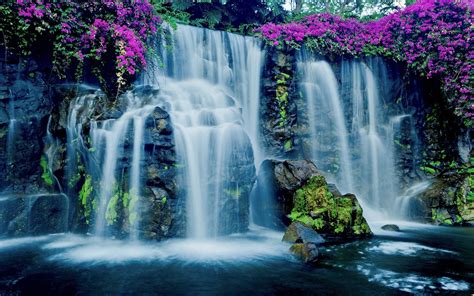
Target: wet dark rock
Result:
[[25, 105], [391, 227], [448, 201], [33, 214], [307, 252], [276, 183], [278, 137], [297, 232]]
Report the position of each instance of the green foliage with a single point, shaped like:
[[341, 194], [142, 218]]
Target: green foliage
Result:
[[46, 175], [85, 198], [111, 212], [282, 81], [133, 208], [235, 193], [288, 145], [172, 14], [315, 205]]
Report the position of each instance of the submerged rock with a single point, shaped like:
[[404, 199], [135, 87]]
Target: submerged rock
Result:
[[297, 232], [391, 227], [308, 252]]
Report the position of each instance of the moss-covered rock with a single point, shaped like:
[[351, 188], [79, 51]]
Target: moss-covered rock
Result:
[[448, 201], [333, 215], [307, 252]]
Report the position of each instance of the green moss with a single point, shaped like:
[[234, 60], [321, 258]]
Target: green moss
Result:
[[235, 193], [470, 190], [429, 170], [3, 132], [315, 205], [288, 145], [111, 212], [163, 200], [46, 175], [84, 197], [282, 81], [133, 208]]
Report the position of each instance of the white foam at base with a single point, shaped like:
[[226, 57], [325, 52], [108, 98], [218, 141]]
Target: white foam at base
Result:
[[404, 248], [236, 248], [17, 242], [410, 283]]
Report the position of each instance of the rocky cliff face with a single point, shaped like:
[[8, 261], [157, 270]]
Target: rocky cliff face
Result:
[[45, 190], [25, 105]]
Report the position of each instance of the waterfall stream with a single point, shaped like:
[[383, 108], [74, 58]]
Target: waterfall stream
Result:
[[214, 107], [353, 137], [213, 103]]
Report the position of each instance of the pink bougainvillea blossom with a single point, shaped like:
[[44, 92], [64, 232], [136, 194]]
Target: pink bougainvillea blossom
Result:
[[434, 37]]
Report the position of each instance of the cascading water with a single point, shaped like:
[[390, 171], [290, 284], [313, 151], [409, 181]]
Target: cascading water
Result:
[[213, 103], [322, 94], [353, 138], [108, 139], [11, 130], [372, 131]]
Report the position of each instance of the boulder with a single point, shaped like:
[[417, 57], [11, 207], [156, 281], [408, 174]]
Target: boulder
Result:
[[391, 227], [297, 232], [336, 217], [448, 201], [33, 214], [294, 190], [308, 252], [292, 174], [277, 181]]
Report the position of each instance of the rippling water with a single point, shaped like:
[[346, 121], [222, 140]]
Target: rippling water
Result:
[[419, 260]]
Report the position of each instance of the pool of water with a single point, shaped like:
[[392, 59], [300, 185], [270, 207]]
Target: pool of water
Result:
[[418, 260]]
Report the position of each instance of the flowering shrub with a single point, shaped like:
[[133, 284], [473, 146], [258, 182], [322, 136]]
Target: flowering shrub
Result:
[[87, 32], [434, 37]]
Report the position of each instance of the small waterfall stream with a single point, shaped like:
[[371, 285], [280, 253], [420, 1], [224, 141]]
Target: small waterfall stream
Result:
[[320, 82], [12, 129], [110, 135], [353, 137]]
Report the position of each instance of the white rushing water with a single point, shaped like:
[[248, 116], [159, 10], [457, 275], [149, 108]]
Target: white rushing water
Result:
[[322, 95], [12, 126], [210, 85], [348, 121], [214, 106], [111, 134]]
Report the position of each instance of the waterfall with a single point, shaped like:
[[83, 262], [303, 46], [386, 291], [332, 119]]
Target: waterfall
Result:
[[110, 135], [214, 108], [353, 136], [51, 149], [210, 86], [322, 98], [102, 160], [11, 130]]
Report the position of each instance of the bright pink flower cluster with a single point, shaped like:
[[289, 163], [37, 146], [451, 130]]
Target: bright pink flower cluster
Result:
[[89, 29], [434, 37]]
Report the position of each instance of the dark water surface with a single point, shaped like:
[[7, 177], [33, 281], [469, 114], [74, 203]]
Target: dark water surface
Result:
[[419, 260]]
